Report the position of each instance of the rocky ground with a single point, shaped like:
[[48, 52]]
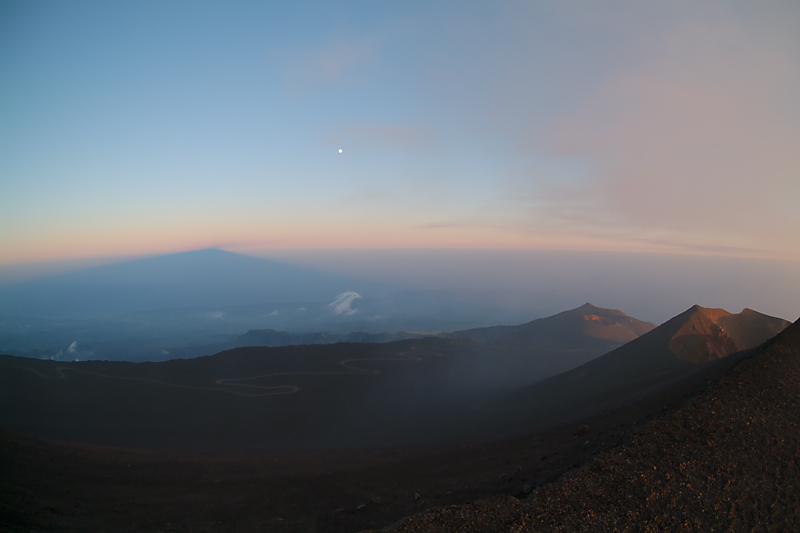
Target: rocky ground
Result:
[[717, 451], [727, 461]]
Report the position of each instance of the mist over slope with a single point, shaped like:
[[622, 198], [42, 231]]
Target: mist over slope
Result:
[[571, 327], [273, 338], [318, 393], [514, 355], [726, 460], [312, 414], [502, 356]]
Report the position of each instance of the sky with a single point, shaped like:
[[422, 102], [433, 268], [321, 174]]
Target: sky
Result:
[[135, 128]]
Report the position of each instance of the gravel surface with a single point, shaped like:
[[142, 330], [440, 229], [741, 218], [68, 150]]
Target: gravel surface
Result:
[[728, 461]]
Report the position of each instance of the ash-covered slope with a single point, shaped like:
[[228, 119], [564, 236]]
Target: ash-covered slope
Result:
[[504, 356], [576, 327], [274, 338], [709, 334], [727, 461], [313, 396], [674, 349], [515, 356], [64, 486], [749, 328]]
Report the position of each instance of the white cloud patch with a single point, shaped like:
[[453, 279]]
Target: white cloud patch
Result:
[[342, 304], [302, 309], [73, 347], [274, 313], [216, 315]]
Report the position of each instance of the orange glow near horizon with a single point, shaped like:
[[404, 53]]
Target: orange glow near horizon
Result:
[[155, 239]]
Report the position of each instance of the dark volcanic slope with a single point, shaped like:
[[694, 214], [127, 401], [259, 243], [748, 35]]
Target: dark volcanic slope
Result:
[[574, 327], [527, 352], [727, 461], [709, 334], [514, 356], [273, 338], [56, 486], [679, 347], [326, 395], [316, 395]]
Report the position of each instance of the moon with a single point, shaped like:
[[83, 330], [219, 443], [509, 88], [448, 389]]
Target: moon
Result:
[[340, 150]]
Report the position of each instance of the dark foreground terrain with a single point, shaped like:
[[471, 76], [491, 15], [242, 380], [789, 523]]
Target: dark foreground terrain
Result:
[[343, 395], [729, 456], [729, 460], [55, 486]]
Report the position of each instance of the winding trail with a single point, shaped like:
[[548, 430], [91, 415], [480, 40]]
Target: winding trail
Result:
[[236, 382], [354, 370], [60, 370]]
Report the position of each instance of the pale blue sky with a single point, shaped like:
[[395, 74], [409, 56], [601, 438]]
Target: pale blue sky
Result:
[[150, 127]]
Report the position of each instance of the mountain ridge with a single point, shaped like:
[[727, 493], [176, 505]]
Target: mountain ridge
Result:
[[711, 333], [651, 358], [586, 329], [591, 321]]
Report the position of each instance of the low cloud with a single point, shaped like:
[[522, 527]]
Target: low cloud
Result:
[[302, 309], [73, 347], [342, 304], [216, 315], [274, 313], [695, 144]]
